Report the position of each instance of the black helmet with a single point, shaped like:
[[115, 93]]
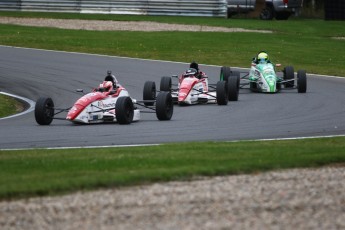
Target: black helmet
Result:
[[111, 77], [194, 65]]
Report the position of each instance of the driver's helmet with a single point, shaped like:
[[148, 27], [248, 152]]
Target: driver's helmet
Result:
[[106, 86], [111, 77], [263, 57], [194, 65], [191, 72]]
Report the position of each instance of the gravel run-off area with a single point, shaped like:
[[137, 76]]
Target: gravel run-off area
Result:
[[118, 25], [287, 199]]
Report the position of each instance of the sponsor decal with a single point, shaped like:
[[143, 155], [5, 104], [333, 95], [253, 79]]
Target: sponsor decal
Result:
[[101, 104]]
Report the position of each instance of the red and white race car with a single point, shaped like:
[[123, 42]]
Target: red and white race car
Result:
[[110, 102], [193, 88]]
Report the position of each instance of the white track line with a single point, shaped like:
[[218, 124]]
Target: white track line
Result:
[[30, 102]]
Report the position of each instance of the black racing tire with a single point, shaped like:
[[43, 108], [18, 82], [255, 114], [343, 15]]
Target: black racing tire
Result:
[[149, 92], [267, 13], [222, 93], [233, 87], [301, 81], [44, 111], [225, 72], [165, 84], [164, 106], [124, 110], [288, 75]]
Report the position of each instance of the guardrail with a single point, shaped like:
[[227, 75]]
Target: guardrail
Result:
[[210, 8]]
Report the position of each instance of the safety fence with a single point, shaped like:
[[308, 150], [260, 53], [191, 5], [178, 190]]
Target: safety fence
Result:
[[211, 8]]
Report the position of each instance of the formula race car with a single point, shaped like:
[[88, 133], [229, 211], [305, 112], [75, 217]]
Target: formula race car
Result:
[[110, 102], [263, 77], [193, 88]]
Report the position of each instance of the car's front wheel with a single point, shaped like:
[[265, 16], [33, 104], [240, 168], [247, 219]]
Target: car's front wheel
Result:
[[164, 106], [124, 110], [44, 111], [222, 93], [301, 81]]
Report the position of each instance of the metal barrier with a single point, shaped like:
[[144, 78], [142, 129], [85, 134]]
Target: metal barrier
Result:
[[210, 8]]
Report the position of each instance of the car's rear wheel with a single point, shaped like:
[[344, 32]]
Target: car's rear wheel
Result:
[[44, 111], [149, 93], [233, 86], [267, 13], [225, 72], [301, 81], [289, 76], [222, 93], [164, 106], [124, 110], [165, 84]]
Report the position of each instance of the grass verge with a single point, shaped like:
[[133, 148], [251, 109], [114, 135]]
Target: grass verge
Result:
[[8, 106], [53, 172], [305, 44]]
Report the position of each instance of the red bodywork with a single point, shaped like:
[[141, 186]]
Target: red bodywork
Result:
[[87, 99], [187, 84]]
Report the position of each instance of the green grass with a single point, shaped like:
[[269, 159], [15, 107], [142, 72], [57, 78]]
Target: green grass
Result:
[[53, 172], [8, 106], [305, 44]]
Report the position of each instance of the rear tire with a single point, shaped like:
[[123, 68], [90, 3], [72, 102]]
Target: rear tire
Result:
[[267, 13], [149, 92], [44, 111], [164, 106], [124, 110], [233, 86], [288, 75], [225, 72], [301, 81], [222, 93], [165, 84]]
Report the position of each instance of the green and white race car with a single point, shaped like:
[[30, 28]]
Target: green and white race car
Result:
[[263, 76]]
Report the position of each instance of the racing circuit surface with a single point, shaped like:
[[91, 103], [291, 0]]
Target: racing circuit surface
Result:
[[33, 73]]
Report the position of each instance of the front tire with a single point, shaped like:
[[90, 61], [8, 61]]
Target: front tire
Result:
[[149, 92], [222, 93], [44, 111], [301, 81], [164, 106], [124, 110]]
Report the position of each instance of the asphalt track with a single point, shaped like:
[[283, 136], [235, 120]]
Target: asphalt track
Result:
[[33, 73]]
